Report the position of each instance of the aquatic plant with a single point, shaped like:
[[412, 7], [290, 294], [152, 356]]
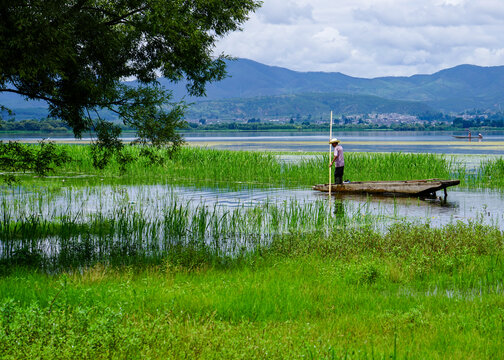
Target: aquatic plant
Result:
[[490, 174], [72, 228], [75, 228], [239, 169], [97, 272]]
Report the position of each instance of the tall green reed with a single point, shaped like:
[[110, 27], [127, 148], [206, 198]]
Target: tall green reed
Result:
[[54, 235], [490, 174], [238, 169]]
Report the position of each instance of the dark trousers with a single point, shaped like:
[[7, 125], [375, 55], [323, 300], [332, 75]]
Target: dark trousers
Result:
[[338, 175]]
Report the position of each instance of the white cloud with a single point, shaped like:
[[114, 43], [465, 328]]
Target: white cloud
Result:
[[441, 14], [370, 38], [492, 57], [284, 12]]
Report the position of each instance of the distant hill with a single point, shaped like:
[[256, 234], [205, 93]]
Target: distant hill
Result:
[[253, 88], [23, 109], [316, 105]]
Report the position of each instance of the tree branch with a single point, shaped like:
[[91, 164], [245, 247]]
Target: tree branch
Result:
[[125, 16], [116, 18]]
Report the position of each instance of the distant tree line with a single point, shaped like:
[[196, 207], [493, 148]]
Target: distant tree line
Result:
[[493, 120], [39, 125], [255, 125], [306, 126], [437, 121]]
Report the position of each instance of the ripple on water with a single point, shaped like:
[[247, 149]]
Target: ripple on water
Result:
[[461, 205]]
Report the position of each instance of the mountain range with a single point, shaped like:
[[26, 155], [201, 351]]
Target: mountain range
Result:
[[253, 89], [456, 89]]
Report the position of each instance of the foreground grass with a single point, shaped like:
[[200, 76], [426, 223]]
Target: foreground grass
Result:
[[414, 292]]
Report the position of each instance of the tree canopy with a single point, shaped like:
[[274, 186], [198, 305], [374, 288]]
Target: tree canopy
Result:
[[75, 55]]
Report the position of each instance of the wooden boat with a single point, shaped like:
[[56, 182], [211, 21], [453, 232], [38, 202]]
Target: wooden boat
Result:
[[467, 137], [421, 188]]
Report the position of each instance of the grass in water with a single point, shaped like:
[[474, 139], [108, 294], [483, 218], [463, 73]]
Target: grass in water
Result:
[[221, 168], [103, 225], [238, 169]]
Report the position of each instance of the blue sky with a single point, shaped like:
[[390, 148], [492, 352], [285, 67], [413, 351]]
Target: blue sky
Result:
[[367, 38]]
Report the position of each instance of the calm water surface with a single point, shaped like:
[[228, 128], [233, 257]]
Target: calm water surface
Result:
[[363, 141], [360, 141], [461, 205]]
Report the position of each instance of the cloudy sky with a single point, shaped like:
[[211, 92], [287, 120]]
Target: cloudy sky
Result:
[[370, 38]]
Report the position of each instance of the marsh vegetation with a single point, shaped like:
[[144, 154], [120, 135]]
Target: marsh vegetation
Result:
[[96, 273], [141, 165]]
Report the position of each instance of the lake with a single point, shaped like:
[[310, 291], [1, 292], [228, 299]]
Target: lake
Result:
[[356, 141], [361, 141]]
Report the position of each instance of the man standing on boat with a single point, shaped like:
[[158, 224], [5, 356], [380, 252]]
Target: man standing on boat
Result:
[[339, 160]]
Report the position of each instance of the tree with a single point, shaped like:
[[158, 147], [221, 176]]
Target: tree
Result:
[[74, 54]]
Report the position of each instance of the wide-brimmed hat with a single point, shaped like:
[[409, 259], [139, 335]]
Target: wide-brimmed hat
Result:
[[333, 141]]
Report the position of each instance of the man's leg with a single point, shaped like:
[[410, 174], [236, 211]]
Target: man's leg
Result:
[[338, 175]]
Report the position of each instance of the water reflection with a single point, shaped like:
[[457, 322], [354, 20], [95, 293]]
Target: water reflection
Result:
[[460, 205], [340, 215]]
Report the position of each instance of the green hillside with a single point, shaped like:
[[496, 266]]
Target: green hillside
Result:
[[313, 105]]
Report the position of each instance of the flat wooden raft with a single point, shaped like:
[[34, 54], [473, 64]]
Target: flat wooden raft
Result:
[[407, 187]]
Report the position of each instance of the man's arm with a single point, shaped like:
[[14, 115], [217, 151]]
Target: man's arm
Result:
[[333, 160]]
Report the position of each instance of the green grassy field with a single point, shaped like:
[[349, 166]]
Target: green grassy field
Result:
[[275, 281]]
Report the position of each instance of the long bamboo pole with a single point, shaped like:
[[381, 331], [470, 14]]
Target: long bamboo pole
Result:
[[330, 153]]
